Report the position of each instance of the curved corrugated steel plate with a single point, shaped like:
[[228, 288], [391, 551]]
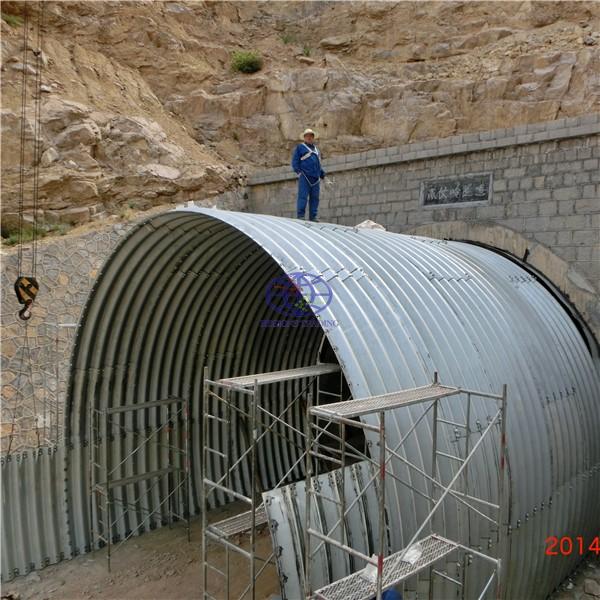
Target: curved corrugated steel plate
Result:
[[34, 511], [286, 509], [187, 289]]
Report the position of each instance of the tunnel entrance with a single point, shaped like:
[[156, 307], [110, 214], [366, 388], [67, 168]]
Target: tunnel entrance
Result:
[[183, 292]]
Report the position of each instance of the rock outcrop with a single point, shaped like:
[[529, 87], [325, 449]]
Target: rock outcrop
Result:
[[140, 106]]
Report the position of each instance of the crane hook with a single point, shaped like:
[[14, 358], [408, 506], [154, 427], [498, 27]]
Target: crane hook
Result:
[[26, 289]]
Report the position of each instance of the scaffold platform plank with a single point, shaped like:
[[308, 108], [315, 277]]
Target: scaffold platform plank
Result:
[[240, 523], [277, 376], [395, 570], [374, 404]]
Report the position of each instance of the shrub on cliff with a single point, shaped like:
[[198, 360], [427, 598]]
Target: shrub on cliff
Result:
[[12, 20], [246, 61]]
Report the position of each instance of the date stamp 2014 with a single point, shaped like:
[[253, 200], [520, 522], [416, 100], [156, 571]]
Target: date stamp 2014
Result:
[[567, 545]]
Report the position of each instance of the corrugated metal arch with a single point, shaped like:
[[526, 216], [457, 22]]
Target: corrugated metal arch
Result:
[[187, 287]]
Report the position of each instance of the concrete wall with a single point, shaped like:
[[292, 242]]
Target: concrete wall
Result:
[[544, 197]]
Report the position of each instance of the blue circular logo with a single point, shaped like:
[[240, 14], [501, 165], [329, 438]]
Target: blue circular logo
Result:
[[298, 295]]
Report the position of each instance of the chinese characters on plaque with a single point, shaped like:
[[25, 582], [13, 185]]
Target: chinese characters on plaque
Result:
[[469, 188]]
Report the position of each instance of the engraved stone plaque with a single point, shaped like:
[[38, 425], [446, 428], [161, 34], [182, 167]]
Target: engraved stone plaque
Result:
[[455, 190]]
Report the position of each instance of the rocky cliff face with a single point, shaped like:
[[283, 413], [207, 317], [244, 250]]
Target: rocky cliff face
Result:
[[140, 106]]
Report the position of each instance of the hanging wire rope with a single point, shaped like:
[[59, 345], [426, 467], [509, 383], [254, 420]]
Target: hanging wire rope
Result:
[[33, 411], [22, 139], [20, 399], [37, 142], [26, 286]]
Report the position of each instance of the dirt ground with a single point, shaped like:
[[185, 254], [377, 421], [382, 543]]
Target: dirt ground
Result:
[[161, 565], [583, 583]]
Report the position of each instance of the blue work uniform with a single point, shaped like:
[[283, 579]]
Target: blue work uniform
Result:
[[306, 162]]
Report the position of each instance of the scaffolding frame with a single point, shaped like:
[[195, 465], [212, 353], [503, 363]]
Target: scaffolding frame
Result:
[[257, 417], [104, 479], [394, 569]]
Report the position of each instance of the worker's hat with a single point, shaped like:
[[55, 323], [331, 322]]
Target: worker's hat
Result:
[[307, 131]]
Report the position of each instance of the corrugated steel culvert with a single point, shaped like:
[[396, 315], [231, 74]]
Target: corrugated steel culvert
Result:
[[186, 289]]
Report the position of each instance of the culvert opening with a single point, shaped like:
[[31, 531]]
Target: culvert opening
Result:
[[181, 292]]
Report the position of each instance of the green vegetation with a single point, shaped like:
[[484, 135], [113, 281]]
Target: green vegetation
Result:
[[10, 237], [306, 50], [288, 38], [12, 20], [246, 61]]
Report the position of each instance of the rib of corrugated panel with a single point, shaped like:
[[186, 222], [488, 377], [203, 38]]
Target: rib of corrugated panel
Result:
[[35, 530], [187, 289]]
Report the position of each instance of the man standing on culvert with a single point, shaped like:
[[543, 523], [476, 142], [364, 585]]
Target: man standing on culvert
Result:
[[306, 162]]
